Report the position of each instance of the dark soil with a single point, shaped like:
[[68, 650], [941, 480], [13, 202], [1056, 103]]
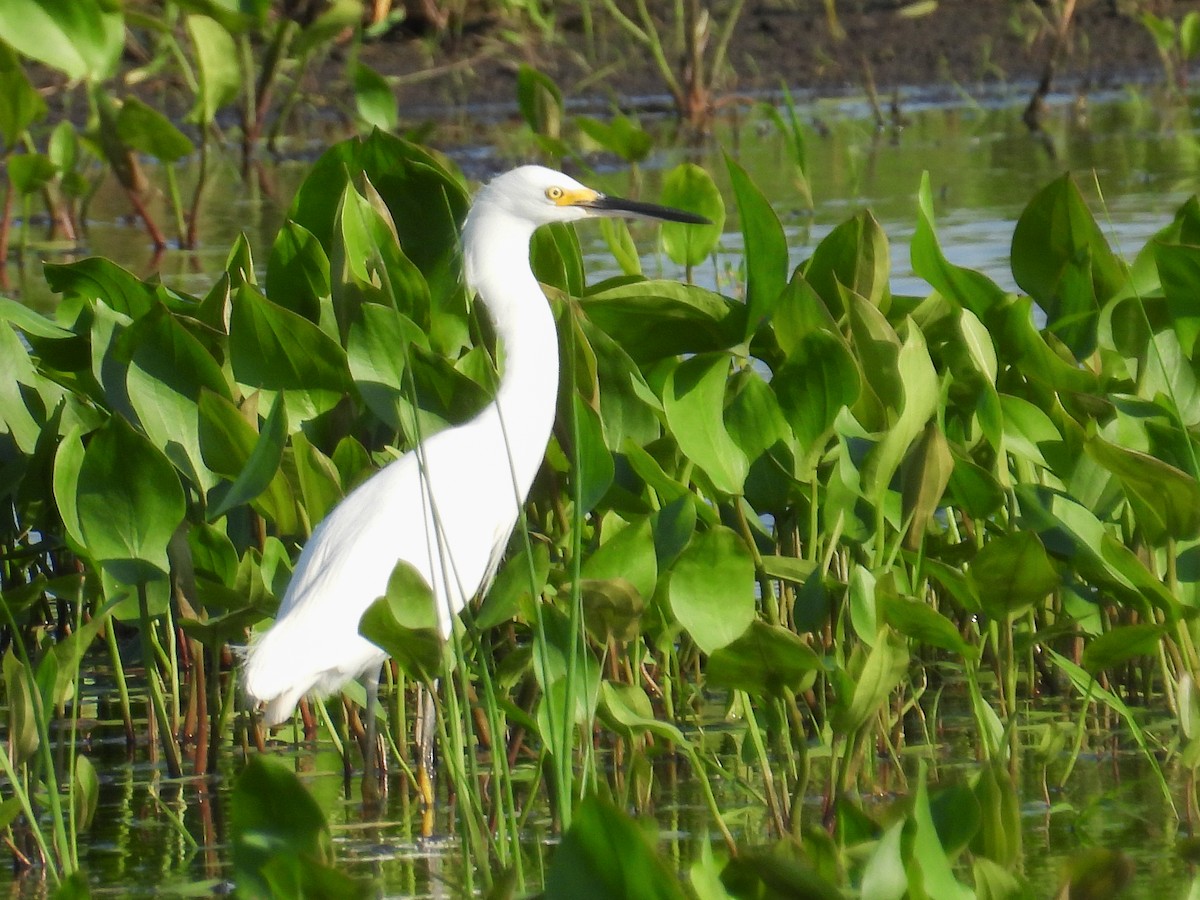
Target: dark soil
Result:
[[969, 43]]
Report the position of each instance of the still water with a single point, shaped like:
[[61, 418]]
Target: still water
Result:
[[1140, 154]]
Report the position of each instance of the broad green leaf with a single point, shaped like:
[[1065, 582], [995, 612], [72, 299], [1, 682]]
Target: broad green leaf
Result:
[[628, 554], [765, 661], [129, 503], [20, 104], [281, 846], [612, 609], [924, 624], [925, 474], [540, 101], [694, 402], [224, 440], [593, 475], [1011, 573], [1165, 501], [606, 854], [271, 347], [627, 709], [85, 791], [146, 130], [690, 187], [217, 67], [620, 135], [929, 871], [967, 288], [98, 279], [373, 98], [30, 172], [81, 38], [298, 271], [884, 876], [1120, 644], [921, 389], [22, 714], [655, 319], [764, 244], [885, 667], [168, 369], [320, 484], [854, 257], [754, 418], [1061, 258], [711, 590], [376, 355], [404, 622]]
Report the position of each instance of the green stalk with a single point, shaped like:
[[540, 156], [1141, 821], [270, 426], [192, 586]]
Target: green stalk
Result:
[[157, 701], [114, 653], [63, 852], [764, 763]]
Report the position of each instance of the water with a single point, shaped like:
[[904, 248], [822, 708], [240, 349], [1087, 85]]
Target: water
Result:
[[984, 167]]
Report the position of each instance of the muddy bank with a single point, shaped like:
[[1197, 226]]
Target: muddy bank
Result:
[[968, 44]]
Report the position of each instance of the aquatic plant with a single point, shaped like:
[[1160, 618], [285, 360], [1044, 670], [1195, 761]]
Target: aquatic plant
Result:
[[818, 512]]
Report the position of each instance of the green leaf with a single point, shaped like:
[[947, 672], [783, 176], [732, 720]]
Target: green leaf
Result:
[[764, 244], [1012, 573], [924, 624], [612, 609], [655, 319], [711, 590], [224, 437], [146, 130], [1061, 258], [885, 667], [129, 503], [854, 257], [404, 623], [168, 370], [1165, 501], [273, 348], [298, 271], [539, 100], [98, 279], [605, 854], [694, 401], [1121, 644], [30, 172], [373, 98], [924, 477], [765, 661], [965, 287], [919, 381], [85, 792], [81, 38], [217, 67], [20, 104], [690, 187], [278, 830], [628, 554], [594, 474]]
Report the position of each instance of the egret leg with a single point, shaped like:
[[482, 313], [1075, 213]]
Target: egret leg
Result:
[[426, 730], [372, 784]]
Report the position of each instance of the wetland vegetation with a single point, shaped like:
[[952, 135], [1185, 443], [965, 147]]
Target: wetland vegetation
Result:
[[864, 560]]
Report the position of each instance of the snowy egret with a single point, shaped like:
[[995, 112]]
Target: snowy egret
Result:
[[449, 507]]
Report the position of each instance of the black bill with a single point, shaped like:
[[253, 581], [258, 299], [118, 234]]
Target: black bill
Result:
[[638, 209]]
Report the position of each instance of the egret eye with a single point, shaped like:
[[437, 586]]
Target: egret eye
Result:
[[554, 193]]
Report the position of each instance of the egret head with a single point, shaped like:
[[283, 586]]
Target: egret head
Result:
[[541, 196]]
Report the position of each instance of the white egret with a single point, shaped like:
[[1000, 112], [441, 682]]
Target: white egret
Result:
[[470, 479]]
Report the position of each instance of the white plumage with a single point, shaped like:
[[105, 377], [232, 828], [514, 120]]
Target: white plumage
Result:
[[475, 475]]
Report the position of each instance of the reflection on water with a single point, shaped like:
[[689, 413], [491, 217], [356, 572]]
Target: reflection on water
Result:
[[984, 167]]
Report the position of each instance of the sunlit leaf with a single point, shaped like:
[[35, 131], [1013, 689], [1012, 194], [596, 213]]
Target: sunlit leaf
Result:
[[81, 38], [690, 187], [712, 588], [764, 244]]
